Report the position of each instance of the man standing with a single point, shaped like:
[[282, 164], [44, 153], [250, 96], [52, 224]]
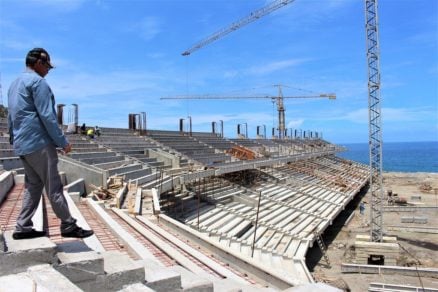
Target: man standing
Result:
[[35, 134]]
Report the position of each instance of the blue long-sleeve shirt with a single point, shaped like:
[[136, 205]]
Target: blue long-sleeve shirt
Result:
[[31, 115]]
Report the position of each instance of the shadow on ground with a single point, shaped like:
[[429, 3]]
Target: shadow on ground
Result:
[[314, 254]]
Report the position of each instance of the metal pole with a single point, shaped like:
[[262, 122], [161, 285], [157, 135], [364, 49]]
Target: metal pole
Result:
[[256, 223], [181, 126], [190, 125], [199, 199]]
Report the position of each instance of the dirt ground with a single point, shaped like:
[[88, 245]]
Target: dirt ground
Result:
[[416, 248]]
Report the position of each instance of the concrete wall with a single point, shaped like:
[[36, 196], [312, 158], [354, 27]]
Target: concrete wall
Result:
[[10, 163], [163, 156], [76, 170], [6, 183]]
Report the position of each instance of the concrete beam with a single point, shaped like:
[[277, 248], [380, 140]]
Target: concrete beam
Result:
[[138, 201], [121, 194], [91, 241], [124, 236], [156, 201], [193, 252], [6, 183], [164, 246], [374, 269], [76, 186], [235, 259]]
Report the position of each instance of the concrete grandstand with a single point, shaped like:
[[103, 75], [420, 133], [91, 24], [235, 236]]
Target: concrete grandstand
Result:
[[182, 211]]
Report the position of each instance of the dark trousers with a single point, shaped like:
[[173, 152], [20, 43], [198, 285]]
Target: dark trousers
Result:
[[41, 171]]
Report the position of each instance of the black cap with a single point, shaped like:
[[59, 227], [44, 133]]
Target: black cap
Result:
[[38, 54]]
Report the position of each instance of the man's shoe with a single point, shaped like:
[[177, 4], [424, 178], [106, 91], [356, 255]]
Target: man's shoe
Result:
[[77, 232], [27, 234]]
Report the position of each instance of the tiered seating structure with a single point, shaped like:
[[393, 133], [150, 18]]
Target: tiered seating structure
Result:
[[189, 146], [290, 214]]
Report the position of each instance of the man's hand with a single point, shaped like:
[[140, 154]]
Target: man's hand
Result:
[[67, 148]]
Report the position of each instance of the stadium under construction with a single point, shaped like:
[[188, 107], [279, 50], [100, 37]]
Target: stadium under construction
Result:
[[237, 212]]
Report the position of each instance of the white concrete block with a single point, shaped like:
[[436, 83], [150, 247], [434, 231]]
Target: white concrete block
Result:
[[121, 270], [23, 253], [138, 287], [160, 278], [46, 276], [17, 282], [191, 282], [81, 266]]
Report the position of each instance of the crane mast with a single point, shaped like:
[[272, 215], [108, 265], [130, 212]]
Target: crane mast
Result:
[[281, 117], [375, 124], [253, 16]]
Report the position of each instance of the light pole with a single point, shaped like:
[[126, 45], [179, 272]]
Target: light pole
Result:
[[190, 125], [181, 126]]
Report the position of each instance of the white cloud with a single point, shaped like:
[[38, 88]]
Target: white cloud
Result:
[[275, 66], [231, 74], [84, 85], [58, 5], [147, 28], [295, 123], [390, 115]]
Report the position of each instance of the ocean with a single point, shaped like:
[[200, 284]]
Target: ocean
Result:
[[398, 156]]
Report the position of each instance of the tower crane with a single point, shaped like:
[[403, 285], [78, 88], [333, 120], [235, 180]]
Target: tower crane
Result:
[[278, 99], [374, 106], [375, 124], [253, 16]]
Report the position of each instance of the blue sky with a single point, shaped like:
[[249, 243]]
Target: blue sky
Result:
[[119, 57]]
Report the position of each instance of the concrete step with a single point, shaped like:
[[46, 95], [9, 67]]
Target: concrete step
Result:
[[145, 179], [136, 174], [10, 163], [37, 278], [107, 271], [143, 158], [5, 145], [114, 164], [161, 278], [229, 285], [18, 255], [192, 282], [7, 153], [130, 151], [99, 160], [123, 169], [121, 270], [81, 156], [47, 277], [87, 150], [80, 267], [156, 164], [138, 287]]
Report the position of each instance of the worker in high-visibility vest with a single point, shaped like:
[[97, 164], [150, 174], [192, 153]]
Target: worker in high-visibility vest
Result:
[[90, 133]]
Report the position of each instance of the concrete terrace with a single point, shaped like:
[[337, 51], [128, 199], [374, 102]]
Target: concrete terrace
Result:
[[189, 215]]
